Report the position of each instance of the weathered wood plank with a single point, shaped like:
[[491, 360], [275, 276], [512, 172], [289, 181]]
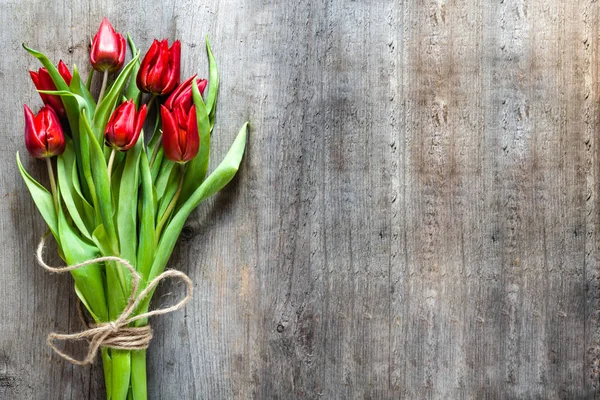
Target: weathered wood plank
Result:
[[416, 217]]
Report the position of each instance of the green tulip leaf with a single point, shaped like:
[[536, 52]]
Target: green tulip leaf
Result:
[[89, 280], [158, 162], [164, 177], [80, 102], [127, 202], [88, 211], [101, 183], [65, 165], [87, 305], [213, 85], [89, 189], [169, 192], [100, 239], [88, 83], [198, 166], [79, 88], [146, 248], [116, 175], [133, 92], [154, 141], [42, 199], [116, 275]]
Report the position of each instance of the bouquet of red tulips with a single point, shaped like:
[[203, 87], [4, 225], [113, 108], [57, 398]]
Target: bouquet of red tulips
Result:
[[117, 202]]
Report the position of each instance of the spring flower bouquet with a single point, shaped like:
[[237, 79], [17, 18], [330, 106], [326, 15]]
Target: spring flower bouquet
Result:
[[118, 202]]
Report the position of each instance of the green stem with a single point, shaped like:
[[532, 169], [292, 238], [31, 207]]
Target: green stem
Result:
[[151, 102], [121, 374], [103, 88], [156, 149], [107, 366], [139, 386], [52, 184], [172, 204], [157, 145], [111, 160], [88, 84]]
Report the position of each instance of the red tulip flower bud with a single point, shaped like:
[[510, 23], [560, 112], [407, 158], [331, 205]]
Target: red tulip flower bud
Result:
[[108, 49], [43, 81], [180, 134], [44, 136], [182, 96], [159, 70], [124, 127]]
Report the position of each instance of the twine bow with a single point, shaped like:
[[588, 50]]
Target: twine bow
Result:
[[115, 334]]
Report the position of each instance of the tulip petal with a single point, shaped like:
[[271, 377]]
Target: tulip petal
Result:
[[156, 70], [148, 66], [160, 72], [149, 59], [172, 77], [139, 123], [177, 93], [55, 139], [35, 146], [122, 50], [170, 135], [193, 139], [202, 83], [63, 70], [35, 78]]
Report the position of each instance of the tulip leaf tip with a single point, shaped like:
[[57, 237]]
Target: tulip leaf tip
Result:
[[31, 51]]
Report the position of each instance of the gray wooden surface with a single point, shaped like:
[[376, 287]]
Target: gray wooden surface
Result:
[[416, 217]]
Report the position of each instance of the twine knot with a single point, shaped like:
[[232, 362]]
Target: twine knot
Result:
[[113, 326], [117, 334]]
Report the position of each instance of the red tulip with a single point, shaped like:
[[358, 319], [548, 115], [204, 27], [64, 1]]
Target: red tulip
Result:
[[124, 127], [44, 136], [180, 134], [182, 96], [43, 81], [159, 70], [108, 48]]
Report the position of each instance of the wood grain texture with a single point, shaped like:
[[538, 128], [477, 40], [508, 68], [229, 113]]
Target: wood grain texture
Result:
[[417, 215]]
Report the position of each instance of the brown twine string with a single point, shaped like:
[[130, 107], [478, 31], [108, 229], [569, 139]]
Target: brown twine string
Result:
[[115, 334]]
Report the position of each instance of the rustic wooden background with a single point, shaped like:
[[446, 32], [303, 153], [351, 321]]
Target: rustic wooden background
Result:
[[417, 216]]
